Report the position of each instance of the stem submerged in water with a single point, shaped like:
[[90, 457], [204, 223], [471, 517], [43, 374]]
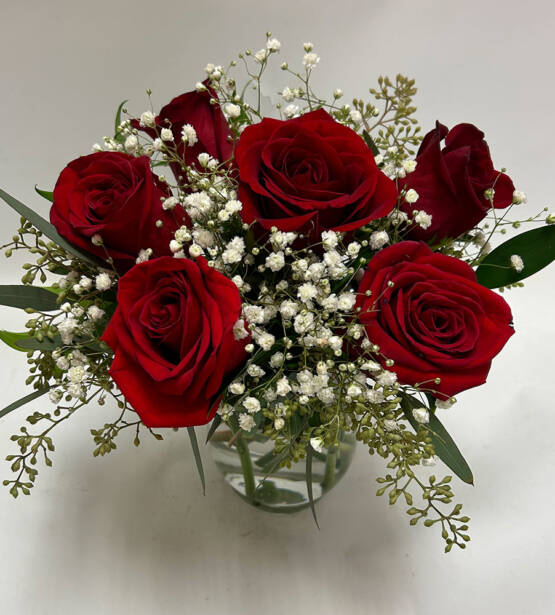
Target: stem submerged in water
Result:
[[246, 466], [329, 473]]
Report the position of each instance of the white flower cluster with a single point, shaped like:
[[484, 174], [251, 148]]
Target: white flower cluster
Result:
[[74, 366]]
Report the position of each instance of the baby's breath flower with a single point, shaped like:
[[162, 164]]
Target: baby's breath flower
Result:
[[307, 292], [239, 330], [148, 119], [166, 134], [387, 379], [276, 360], [288, 94], [237, 388], [232, 110], [317, 444], [519, 197], [272, 44], [131, 144], [189, 135], [103, 281], [378, 239], [254, 314], [261, 55], [421, 415], [251, 404], [246, 422], [288, 309], [95, 313], [346, 301], [310, 60], [517, 263], [170, 203], [283, 387], [411, 196], [329, 239], [423, 219], [291, 111], [275, 261]]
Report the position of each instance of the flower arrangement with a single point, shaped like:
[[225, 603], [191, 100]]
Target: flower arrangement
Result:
[[293, 279]]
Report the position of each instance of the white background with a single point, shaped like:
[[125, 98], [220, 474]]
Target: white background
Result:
[[131, 533]]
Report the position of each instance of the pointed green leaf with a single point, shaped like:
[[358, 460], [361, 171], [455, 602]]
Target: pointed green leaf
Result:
[[117, 122], [309, 483], [24, 400], [47, 229], [535, 247], [198, 459], [19, 296], [49, 196], [370, 142], [216, 422], [443, 444]]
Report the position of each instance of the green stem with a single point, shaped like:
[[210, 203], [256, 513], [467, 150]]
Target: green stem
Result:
[[246, 465], [329, 472]]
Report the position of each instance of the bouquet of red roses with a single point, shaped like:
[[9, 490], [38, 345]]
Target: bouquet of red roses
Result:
[[297, 282]]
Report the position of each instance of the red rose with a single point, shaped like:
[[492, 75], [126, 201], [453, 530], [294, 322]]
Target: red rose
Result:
[[310, 174], [435, 320], [194, 108], [173, 342], [451, 181], [116, 196]]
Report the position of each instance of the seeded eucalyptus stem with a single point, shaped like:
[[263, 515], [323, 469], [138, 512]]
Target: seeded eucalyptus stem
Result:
[[246, 465]]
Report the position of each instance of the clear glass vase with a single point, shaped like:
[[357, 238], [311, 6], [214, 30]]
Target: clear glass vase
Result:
[[246, 465]]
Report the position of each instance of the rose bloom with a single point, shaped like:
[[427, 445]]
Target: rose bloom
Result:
[[116, 196], [436, 321], [173, 342], [194, 108], [310, 174], [451, 181]]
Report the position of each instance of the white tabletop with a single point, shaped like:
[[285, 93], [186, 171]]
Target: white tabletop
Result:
[[131, 532]]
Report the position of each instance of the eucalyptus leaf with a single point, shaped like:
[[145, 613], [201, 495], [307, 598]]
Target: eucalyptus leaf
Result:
[[198, 458], [443, 444], [19, 296], [24, 400], [49, 196], [47, 229], [535, 247]]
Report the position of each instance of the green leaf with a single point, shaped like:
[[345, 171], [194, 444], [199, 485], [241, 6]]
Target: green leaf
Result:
[[443, 444], [117, 136], [18, 296], [10, 338], [49, 196], [24, 400], [28, 343], [25, 342], [535, 247], [214, 425], [309, 483], [198, 459], [370, 142], [47, 229]]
